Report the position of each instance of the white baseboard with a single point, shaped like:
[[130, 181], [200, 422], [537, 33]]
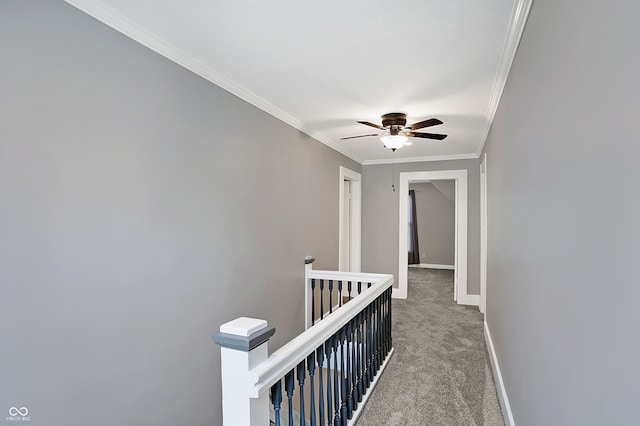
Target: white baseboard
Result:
[[469, 299], [397, 293], [497, 376], [433, 266]]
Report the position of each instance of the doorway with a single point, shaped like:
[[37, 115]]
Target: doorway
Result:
[[460, 251], [349, 226], [431, 227]]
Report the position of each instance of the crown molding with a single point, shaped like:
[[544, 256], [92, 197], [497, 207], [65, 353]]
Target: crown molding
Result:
[[421, 159], [519, 15], [131, 29], [136, 32]]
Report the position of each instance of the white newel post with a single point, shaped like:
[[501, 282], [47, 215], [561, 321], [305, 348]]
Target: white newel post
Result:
[[308, 267], [243, 345]]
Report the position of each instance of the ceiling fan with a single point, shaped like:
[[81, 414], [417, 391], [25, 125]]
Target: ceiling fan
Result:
[[395, 133]]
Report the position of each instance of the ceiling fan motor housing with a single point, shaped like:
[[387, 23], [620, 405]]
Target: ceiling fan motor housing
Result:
[[394, 119]]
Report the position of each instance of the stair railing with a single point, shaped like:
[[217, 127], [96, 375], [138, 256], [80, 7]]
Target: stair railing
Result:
[[321, 377], [326, 291]]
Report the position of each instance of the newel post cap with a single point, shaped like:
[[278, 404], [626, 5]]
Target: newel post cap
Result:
[[243, 334]]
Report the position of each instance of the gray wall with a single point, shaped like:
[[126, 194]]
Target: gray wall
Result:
[[564, 237], [436, 224], [141, 208], [380, 216]]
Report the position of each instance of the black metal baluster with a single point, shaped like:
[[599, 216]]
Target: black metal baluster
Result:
[[375, 337], [340, 292], [349, 289], [379, 334], [311, 365], [327, 350], [368, 376], [330, 296], [301, 377], [383, 334], [365, 353], [384, 323], [387, 329], [276, 399], [336, 389], [368, 285], [383, 308], [358, 396], [313, 301], [383, 326], [288, 386], [321, 299], [390, 318], [359, 287], [372, 371], [350, 367], [320, 353], [343, 379]]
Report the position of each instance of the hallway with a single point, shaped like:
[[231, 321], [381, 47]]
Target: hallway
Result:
[[440, 373]]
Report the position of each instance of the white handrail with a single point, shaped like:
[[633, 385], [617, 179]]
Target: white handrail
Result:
[[291, 354], [344, 276]]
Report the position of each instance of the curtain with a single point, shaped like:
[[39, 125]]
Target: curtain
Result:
[[412, 240]]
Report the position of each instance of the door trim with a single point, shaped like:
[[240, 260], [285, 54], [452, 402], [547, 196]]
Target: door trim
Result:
[[355, 256], [461, 213], [483, 234]]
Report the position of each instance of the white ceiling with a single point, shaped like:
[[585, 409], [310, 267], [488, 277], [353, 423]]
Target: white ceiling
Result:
[[320, 66]]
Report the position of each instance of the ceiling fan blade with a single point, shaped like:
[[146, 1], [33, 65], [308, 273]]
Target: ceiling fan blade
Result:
[[366, 123], [426, 123], [361, 136], [426, 135]]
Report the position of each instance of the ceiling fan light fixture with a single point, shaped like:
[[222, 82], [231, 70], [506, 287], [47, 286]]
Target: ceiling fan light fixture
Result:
[[394, 141], [395, 133]]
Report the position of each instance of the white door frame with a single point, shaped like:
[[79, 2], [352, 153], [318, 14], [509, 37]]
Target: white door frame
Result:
[[461, 213], [355, 258], [483, 234]]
